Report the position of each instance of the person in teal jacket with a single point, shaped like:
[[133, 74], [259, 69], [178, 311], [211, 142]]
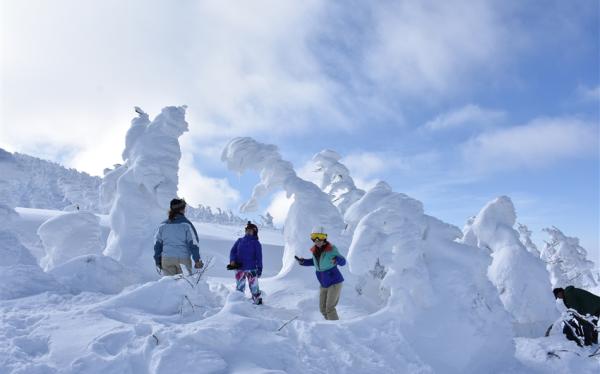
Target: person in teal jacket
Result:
[[325, 259]]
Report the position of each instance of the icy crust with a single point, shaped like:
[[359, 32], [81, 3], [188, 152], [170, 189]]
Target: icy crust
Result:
[[69, 235], [311, 206], [567, 261], [336, 180], [141, 188], [94, 273], [520, 277]]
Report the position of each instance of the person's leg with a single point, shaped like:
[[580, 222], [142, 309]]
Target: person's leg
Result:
[[333, 296], [253, 285], [170, 266], [323, 301], [240, 280], [187, 262]]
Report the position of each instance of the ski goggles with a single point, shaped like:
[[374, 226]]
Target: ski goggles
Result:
[[318, 236]]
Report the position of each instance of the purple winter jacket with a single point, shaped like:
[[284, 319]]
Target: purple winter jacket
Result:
[[247, 252]]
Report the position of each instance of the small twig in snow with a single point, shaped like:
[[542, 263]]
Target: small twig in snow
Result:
[[282, 326]]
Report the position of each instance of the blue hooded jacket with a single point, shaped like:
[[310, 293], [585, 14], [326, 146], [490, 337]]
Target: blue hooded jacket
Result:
[[247, 253], [176, 238]]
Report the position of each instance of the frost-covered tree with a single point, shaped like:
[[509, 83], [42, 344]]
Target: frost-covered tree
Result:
[[520, 277], [30, 182], [267, 220], [140, 190], [311, 207], [525, 238], [409, 266], [336, 180], [567, 261]]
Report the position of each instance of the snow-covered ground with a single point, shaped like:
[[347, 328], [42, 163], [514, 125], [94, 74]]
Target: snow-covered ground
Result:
[[179, 325]]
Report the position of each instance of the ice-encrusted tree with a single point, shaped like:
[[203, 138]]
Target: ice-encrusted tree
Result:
[[336, 180], [409, 266], [525, 238], [520, 277], [311, 207], [567, 261], [139, 191]]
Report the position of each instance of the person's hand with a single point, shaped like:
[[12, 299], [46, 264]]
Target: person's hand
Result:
[[334, 260], [259, 272], [199, 264], [299, 259], [232, 266]]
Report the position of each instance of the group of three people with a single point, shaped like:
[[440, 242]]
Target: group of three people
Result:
[[176, 240]]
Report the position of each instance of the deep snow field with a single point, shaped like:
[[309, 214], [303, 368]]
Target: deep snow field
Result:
[[201, 324]]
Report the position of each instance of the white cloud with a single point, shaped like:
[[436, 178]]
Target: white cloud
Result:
[[467, 115], [591, 94], [539, 143], [199, 189], [430, 47]]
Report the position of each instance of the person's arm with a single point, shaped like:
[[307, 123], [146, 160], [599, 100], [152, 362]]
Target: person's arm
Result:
[[339, 259], [259, 264], [233, 252], [305, 261], [192, 243], [158, 248]]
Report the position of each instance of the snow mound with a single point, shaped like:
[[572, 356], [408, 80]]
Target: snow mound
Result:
[[68, 236], [520, 277], [166, 296], [94, 273], [20, 275]]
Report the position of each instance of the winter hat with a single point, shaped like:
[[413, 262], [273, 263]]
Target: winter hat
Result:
[[557, 291], [177, 204], [252, 226], [318, 233]]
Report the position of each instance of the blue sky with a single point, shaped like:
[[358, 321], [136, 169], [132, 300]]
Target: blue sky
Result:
[[453, 103]]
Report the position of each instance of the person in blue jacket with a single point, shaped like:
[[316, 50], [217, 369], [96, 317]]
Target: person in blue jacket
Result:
[[325, 259], [246, 258], [176, 240]]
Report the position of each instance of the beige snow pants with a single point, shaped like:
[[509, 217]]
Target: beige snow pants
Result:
[[172, 265], [328, 299]]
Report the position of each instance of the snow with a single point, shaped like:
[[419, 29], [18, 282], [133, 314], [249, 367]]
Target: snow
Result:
[[567, 261], [146, 183], [520, 277], [70, 235], [419, 296]]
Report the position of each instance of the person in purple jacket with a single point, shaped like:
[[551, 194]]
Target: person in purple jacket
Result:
[[246, 258]]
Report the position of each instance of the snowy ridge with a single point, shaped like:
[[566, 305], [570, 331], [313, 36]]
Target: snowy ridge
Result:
[[27, 181]]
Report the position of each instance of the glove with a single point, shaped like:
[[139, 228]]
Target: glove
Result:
[[300, 260], [199, 264], [233, 266]]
